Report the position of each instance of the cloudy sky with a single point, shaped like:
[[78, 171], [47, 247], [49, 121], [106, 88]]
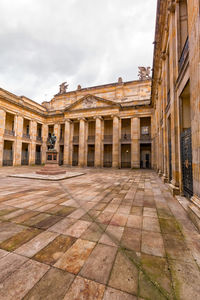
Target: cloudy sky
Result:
[[86, 42]]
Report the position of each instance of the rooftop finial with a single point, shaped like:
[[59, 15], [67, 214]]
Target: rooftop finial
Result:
[[144, 73]]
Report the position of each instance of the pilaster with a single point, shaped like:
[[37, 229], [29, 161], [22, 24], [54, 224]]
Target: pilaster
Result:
[[44, 142], [115, 150], [57, 134], [135, 146], [18, 143], [67, 141], [33, 133], [2, 128], [98, 142], [82, 142]]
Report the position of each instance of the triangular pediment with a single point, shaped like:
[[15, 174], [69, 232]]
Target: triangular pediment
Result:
[[90, 102]]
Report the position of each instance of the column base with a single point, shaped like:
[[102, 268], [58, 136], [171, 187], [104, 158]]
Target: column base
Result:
[[164, 178], [194, 211], [173, 189]]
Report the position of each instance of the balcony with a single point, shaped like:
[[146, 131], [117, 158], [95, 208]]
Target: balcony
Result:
[[39, 139], [91, 139], [9, 132], [108, 139], [26, 136], [126, 138], [75, 139], [184, 54], [145, 138]]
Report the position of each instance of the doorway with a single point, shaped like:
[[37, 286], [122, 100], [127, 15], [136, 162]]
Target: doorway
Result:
[[90, 156], [126, 156]]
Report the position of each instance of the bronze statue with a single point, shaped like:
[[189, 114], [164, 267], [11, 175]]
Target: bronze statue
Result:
[[63, 88], [52, 141]]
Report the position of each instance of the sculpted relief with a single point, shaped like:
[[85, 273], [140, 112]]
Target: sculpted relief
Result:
[[89, 102]]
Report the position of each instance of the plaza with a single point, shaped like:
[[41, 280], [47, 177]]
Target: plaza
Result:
[[108, 234]]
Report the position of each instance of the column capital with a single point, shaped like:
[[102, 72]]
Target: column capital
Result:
[[115, 116], [98, 117], [82, 119], [68, 120]]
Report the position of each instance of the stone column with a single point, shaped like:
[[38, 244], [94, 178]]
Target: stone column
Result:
[[44, 142], [57, 134], [82, 142], [67, 140], [2, 128], [135, 146], [33, 133], [98, 142], [71, 143], [18, 143], [115, 150]]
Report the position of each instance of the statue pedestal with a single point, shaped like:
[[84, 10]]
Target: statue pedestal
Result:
[[51, 167]]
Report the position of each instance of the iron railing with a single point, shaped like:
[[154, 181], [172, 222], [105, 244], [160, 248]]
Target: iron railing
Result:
[[91, 139], [126, 137], [9, 132], [108, 139], [26, 136], [75, 139], [39, 138]]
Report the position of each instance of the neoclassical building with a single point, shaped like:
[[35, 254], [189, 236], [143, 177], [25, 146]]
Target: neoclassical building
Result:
[[176, 99], [101, 126]]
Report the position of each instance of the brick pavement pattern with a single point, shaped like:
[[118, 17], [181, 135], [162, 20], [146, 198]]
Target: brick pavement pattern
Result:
[[107, 235]]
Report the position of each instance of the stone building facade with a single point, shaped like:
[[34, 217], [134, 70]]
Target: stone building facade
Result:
[[102, 126], [176, 98]]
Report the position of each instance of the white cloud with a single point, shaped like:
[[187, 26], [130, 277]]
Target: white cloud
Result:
[[90, 42]]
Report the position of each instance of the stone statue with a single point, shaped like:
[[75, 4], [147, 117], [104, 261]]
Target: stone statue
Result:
[[52, 141], [63, 88], [144, 73]]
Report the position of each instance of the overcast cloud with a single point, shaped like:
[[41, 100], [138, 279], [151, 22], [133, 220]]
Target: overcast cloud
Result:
[[86, 42]]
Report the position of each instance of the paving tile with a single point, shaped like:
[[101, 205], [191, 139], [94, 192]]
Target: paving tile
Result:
[[186, 278], [36, 219], [157, 270], [105, 217], [19, 239], [136, 210], [22, 280], [152, 243], [12, 214], [94, 232], [36, 244], [53, 285], [24, 217], [48, 222], [131, 239], [112, 236], [119, 220], [170, 226], [151, 224], [124, 275], [134, 222], [85, 289], [8, 229], [149, 212], [61, 210], [3, 253], [54, 250], [7, 210], [91, 215], [176, 248], [74, 258], [9, 263], [98, 265], [113, 294], [77, 214], [78, 228], [45, 207], [62, 226]]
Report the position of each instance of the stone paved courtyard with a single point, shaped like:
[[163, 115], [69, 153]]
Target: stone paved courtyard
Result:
[[109, 234]]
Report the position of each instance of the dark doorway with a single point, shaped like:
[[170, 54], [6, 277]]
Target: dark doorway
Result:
[[75, 155], [8, 153], [126, 156], [90, 157], [107, 161], [145, 156], [61, 155], [25, 154], [38, 155]]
